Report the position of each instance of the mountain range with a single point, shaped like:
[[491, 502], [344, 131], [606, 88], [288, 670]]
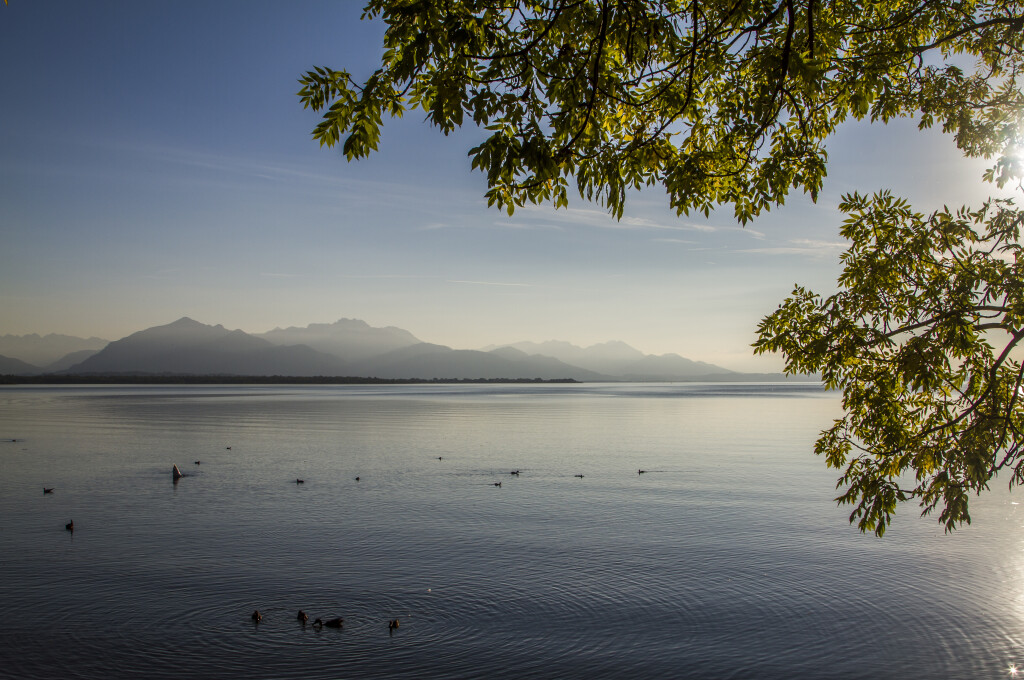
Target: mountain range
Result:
[[42, 351], [348, 347]]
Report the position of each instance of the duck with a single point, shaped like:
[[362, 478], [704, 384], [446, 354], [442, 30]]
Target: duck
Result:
[[70, 526], [640, 472], [330, 623], [497, 484], [357, 479], [47, 490], [303, 617], [300, 481], [515, 472], [198, 462], [228, 448], [256, 616], [392, 624], [580, 476]]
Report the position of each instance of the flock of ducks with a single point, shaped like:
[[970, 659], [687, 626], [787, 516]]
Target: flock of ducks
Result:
[[303, 618], [515, 473], [176, 475]]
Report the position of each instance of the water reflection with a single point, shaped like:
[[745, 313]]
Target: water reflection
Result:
[[727, 559]]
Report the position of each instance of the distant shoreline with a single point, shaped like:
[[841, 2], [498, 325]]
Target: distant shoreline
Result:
[[136, 379], [166, 379]]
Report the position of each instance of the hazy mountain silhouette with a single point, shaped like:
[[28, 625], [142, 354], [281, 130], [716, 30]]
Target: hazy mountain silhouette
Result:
[[12, 366], [671, 367], [46, 349], [428, 361], [350, 347], [622, 361], [69, 360], [189, 347], [349, 339]]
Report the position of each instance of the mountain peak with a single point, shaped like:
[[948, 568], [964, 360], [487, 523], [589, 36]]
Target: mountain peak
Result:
[[189, 347], [356, 348], [349, 338], [45, 350], [186, 322]]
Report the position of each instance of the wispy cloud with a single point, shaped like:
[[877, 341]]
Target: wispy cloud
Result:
[[433, 226], [243, 168], [602, 220], [473, 222], [492, 283], [389, 276], [681, 241], [802, 246]]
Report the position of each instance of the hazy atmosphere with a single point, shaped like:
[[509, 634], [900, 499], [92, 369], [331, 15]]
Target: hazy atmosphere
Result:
[[266, 413], [156, 163]]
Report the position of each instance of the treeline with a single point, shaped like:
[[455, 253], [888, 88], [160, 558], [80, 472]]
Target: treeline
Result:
[[145, 379]]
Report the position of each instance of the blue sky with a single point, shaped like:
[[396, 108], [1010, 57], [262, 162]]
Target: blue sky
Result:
[[155, 162]]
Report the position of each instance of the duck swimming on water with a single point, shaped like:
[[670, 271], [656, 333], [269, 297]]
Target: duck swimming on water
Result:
[[256, 616], [392, 624], [70, 526], [47, 490], [330, 623], [303, 617]]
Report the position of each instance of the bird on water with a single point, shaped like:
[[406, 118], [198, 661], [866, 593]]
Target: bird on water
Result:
[[47, 490], [330, 623], [256, 616], [303, 617], [70, 526]]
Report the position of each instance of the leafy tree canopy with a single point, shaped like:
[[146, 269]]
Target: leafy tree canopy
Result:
[[732, 102], [719, 101], [919, 339]]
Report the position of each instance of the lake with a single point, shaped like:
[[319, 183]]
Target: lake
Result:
[[726, 558]]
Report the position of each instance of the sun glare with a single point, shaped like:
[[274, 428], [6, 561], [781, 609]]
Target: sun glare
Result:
[[1013, 669]]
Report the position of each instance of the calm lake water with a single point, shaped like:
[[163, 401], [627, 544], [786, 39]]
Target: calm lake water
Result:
[[726, 559]]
